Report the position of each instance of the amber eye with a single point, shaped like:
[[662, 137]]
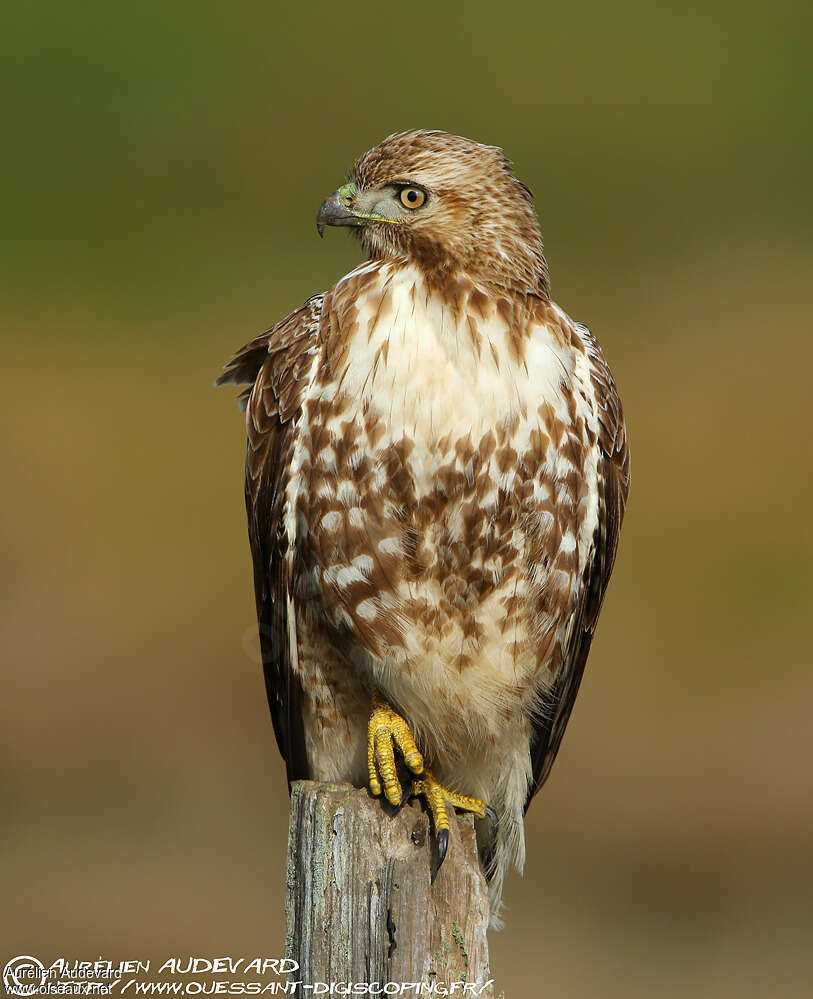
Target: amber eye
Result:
[[412, 197]]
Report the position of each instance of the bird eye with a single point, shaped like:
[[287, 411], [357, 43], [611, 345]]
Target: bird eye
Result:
[[412, 197]]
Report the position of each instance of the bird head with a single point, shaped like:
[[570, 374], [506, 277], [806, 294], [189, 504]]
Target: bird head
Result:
[[445, 203]]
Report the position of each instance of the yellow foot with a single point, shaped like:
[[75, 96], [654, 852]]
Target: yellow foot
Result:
[[384, 729], [438, 797], [387, 729]]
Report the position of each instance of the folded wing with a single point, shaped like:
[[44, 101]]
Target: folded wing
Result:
[[276, 367]]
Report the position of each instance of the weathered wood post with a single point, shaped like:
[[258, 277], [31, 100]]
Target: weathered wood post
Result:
[[361, 902]]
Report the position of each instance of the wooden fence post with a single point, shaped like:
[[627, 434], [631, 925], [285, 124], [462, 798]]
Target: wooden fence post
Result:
[[361, 903]]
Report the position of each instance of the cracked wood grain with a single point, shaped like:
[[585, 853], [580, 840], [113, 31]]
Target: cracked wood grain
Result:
[[364, 902]]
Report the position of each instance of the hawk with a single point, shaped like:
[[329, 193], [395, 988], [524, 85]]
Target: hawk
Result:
[[436, 476]]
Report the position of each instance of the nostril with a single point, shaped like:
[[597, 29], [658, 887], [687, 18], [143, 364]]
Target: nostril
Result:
[[347, 193]]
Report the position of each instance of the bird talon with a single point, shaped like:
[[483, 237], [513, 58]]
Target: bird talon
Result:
[[385, 730], [437, 798], [443, 846]]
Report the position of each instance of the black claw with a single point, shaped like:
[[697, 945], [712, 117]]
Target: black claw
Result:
[[443, 846], [491, 815]]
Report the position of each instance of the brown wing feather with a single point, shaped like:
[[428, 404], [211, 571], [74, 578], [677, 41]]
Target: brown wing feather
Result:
[[275, 366], [613, 486]]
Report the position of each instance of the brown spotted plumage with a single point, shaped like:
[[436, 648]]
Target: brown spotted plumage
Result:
[[436, 477]]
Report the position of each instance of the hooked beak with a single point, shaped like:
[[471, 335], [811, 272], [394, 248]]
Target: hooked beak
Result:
[[335, 211]]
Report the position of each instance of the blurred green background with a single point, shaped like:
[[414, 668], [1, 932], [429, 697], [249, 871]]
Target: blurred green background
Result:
[[161, 167]]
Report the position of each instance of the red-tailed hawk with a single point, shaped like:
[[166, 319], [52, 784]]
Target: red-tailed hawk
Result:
[[436, 476]]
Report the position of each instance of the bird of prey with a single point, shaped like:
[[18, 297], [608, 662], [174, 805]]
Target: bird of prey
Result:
[[436, 477]]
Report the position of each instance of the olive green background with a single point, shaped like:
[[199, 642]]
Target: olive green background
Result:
[[161, 167]]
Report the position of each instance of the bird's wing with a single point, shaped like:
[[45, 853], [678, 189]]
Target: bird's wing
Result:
[[276, 366], [613, 487]]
